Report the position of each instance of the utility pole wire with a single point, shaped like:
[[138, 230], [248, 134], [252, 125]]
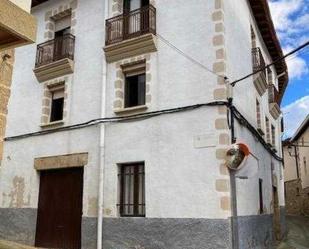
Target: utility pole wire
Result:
[[273, 63], [188, 56]]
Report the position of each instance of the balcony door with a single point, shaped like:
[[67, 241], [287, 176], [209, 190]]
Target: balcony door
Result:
[[62, 30], [136, 17]]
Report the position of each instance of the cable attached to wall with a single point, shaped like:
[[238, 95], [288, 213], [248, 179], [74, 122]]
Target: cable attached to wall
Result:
[[244, 122], [142, 116], [128, 118]]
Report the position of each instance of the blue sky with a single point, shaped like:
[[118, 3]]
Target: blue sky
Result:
[[291, 19]]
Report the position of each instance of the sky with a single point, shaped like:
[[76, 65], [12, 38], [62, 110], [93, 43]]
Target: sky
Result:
[[291, 20]]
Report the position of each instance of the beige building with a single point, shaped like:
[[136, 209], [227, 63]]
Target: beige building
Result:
[[17, 28], [296, 172]]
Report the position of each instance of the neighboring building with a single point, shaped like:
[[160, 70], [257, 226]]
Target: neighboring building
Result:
[[17, 28], [296, 171], [158, 178]]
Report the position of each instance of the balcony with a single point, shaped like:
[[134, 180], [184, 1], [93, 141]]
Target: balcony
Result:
[[274, 100], [131, 34], [55, 58], [17, 26], [259, 78]]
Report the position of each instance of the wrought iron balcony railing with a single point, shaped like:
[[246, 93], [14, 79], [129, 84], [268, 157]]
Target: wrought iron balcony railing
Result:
[[258, 61], [130, 25], [54, 50], [273, 94]]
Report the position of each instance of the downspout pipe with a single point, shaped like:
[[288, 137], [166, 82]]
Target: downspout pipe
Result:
[[235, 235], [102, 144]]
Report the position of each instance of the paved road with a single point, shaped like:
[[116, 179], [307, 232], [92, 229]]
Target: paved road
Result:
[[298, 233], [11, 245]]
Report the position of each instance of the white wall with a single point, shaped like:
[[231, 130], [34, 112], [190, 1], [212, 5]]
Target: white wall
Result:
[[238, 18], [84, 103], [180, 179], [258, 166]]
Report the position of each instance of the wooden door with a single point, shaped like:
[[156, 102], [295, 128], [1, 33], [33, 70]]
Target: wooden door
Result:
[[60, 209]]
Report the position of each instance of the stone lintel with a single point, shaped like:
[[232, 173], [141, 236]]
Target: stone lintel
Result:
[[61, 161]]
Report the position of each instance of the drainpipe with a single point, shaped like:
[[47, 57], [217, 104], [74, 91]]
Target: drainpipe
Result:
[[235, 235], [102, 146]]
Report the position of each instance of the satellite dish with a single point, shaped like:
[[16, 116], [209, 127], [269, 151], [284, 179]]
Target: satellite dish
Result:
[[236, 156]]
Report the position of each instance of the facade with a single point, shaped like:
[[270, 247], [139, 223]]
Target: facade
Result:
[[296, 175], [17, 28], [117, 136]]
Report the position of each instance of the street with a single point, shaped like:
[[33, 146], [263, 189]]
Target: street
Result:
[[298, 233]]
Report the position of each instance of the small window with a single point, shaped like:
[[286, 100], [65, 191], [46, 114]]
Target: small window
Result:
[[273, 135], [297, 191], [270, 77], [132, 190], [258, 114], [135, 90], [253, 37], [267, 130], [305, 165], [261, 196], [56, 113]]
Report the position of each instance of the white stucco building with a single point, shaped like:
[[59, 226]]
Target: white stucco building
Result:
[[119, 123]]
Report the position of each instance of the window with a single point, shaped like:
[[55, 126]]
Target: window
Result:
[[270, 77], [253, 38], [132, 190], [305, 165], [63, 26], [62, 30], [258, 116], [261, 196], [56, 113], [135, 90], [273, 135], [130, 5], [267, 130], [297, 192]]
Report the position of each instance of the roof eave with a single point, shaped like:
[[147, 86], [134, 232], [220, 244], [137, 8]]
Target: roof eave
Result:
[[265, 24]]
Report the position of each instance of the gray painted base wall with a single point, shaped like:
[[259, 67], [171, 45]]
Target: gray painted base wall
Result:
[[140, 233], [144, 233], [283, 221], [89, 233], [255, 232], [18, 224]]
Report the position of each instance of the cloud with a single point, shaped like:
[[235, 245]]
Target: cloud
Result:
[[294, 114], [291, 20], [297, 67], [281, 13]]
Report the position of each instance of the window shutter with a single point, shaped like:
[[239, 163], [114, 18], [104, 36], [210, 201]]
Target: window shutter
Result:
[[141, 89]]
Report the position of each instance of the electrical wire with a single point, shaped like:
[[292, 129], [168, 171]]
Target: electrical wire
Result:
[[233, 83], [187, 56], [142, 116], [128, 118], [243, 121]]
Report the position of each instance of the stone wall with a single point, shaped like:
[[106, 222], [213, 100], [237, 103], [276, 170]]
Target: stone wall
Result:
[[6, 70], [297, 199]]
